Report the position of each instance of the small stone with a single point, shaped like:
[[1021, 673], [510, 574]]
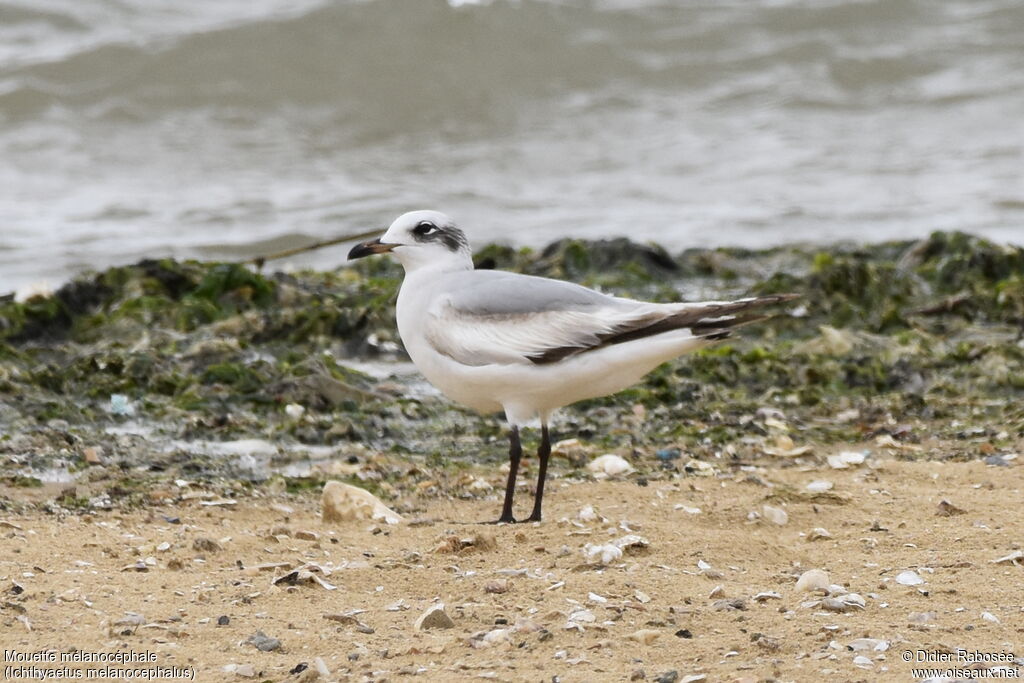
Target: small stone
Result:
[[818, 534], [638, 675], [872, 644], [988, 616], [342, 502], [602, 554], [588, 514], [609, 465], [434, 618], [321, 667], [304, 535], [819, 486], [909, 578], [684, 633], [294, 411], [766, 595], [863, 662], [813, 580], [498, 586], [644, 636], [668, 454], [206, 545], [243, 670], [668, 677], [947, 509], [263, 642], [92, 455], [846, 459], [775, 515], [921, 617], [223, 620]]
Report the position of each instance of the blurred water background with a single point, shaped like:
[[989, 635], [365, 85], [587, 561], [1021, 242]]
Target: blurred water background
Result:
[[136, 128]]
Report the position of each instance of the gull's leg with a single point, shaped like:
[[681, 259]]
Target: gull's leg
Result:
[[515, 453], [544, 452]]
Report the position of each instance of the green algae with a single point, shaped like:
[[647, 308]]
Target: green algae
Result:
[[926, 335]]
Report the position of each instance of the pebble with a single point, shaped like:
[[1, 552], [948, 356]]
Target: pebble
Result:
[[349, 618], [602, 554], [947, 509], [263, 642], [343, 502], [813, 580], [206, 545], [775, 515], [820, 486], [909, 578], [818, 534], [321, 667], [873, 644], [609, 465], [588, 514], [92, 455], [498, 586], [668, 677], [645, 636], [243, 670], [304, 535], [988, 616], [767, 595], [862, 661], [842, 461], [223, 620], [434, 618]]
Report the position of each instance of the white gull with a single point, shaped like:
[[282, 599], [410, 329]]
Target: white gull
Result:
[[498, 341]]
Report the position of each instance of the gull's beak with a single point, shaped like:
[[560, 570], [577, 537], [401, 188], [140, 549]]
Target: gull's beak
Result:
[[370, 248]]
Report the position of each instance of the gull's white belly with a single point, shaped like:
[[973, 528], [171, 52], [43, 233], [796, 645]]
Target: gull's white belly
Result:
[[525, 390]]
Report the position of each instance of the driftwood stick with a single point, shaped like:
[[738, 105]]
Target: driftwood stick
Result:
[[258, 261]]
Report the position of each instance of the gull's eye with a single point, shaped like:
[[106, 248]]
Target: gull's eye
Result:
[[425, 228]]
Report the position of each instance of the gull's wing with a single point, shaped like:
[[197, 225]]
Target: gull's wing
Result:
[[495, 317], [485, 317]]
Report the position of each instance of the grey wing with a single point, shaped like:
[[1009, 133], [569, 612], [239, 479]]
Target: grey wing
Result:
[[485, 317]]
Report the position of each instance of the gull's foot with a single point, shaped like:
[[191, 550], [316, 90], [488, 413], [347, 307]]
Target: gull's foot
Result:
[[535, 517]]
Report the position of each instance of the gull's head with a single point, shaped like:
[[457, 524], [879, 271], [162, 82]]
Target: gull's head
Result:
[[421, 239]]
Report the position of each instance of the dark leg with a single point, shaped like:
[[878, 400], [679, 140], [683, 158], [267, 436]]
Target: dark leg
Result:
[[544, 452], [515, 453]]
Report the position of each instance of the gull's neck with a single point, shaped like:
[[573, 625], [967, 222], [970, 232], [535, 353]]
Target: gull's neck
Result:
[[416, 263]]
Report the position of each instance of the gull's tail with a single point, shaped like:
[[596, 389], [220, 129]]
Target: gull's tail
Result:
[[712, 320], [709, 320]]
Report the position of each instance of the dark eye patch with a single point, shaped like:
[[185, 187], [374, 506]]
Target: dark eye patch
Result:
[[424, 228]]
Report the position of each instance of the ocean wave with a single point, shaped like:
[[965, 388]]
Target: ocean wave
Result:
[[396, 65]]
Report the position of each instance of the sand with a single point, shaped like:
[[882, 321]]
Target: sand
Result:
[[650, 613]]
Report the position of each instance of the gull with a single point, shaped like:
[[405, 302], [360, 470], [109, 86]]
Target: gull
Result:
[[498, 341]]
